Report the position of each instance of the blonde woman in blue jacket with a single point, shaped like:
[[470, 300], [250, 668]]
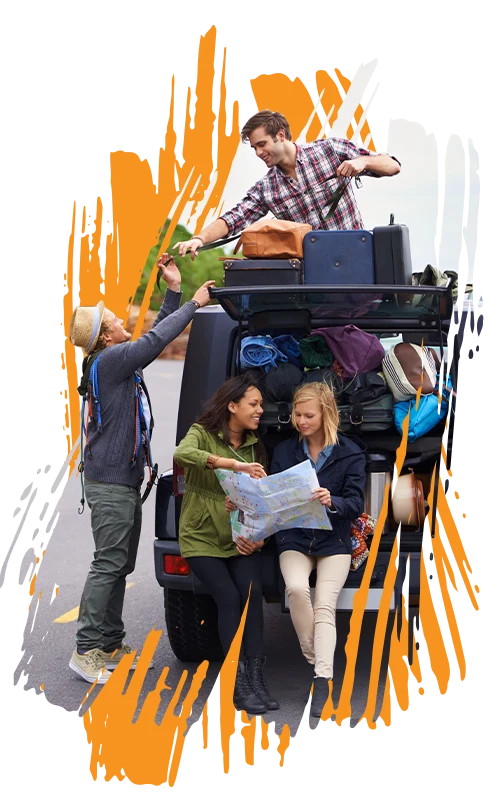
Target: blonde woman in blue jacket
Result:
[[340, 465]]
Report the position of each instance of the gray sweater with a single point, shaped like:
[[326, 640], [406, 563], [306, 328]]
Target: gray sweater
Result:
[[112, 449]]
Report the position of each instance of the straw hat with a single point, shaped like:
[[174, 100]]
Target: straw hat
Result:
[[85, 326]]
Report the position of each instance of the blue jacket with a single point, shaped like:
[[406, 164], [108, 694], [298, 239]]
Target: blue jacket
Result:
[[343, 474]]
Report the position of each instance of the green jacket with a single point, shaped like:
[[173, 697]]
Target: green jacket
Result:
[[204, 527]]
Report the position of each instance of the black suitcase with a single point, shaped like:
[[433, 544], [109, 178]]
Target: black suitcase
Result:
[[263, 272], [392, 254], [276, 417], [375, 415]]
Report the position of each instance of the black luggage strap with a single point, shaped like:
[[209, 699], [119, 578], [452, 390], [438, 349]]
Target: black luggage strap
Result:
[[356, 413], [210, 246], [284, 414], [150, 484], [334, 200]]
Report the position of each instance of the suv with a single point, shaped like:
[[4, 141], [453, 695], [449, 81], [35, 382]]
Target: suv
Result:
[[394, 314]]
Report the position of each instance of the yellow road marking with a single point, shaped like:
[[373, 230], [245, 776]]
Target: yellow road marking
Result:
[[71, 616]]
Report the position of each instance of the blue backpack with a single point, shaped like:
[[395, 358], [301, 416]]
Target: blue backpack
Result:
[[91, 397], [426, 416]]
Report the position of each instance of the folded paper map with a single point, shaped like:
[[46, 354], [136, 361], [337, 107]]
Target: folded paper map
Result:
[[275, 503]]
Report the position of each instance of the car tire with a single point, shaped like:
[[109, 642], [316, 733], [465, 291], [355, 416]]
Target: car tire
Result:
[[192, 626]]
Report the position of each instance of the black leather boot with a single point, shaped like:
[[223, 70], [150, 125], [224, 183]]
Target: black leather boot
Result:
[[244, 697], [321, 691], [255, 668]]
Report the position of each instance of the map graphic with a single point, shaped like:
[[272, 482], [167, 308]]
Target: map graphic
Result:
[[274, 503]]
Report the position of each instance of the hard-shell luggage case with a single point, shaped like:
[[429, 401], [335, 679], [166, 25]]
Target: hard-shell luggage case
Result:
[[263, 272], [338, 257], [379, 468], [392, 254]]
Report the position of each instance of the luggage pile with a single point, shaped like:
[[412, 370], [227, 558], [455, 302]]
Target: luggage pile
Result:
[[282, 253]]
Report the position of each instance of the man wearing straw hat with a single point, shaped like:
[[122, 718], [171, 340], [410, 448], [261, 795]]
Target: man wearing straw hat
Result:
[[118, 431]]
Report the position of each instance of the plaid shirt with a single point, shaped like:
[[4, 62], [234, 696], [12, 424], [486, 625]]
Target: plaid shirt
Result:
[[308, 198]]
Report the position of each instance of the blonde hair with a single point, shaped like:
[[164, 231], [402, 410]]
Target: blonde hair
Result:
[[330, 413]]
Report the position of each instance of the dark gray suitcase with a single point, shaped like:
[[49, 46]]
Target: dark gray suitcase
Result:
[[392, 254], [263, 272], [338, 257], [376, 415]]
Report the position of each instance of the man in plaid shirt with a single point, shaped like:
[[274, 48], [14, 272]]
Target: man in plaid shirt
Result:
[[300, 184]]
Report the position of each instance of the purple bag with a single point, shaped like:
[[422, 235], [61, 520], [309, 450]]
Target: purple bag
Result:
[[356, 350]]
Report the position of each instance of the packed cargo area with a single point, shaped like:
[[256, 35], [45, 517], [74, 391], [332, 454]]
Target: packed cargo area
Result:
[[362, 336]]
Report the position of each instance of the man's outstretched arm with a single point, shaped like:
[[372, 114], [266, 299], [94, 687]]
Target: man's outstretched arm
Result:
[[380, 165], [216, 230]]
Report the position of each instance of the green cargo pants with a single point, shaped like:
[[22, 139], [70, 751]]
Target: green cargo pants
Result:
[[116, 515]]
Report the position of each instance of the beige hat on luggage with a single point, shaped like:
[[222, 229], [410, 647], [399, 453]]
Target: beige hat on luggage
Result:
[[85, 326]]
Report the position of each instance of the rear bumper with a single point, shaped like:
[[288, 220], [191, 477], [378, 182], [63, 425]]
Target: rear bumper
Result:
[[272, 581]]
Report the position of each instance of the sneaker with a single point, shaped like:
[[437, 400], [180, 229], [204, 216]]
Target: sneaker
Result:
[[113, 658], [90, 666]]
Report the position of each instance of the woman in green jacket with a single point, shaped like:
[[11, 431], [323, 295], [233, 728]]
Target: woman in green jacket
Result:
[[225, 437]]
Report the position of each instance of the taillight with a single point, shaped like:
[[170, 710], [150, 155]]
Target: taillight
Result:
[[175, 565], [178, 481]]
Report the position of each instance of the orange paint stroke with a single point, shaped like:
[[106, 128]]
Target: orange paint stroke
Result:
[[455, 542], [397, 665], [327, 87], [290, 98], [365, 131], [139, 211], [418, 396], [380, 633], [439, 659], [248, 733], [333, 99], [343, 710], [401, 451], [284, 743], [264, 742], [227, 677], [343, 79], [205, 726], [86, 697], [415, 668], [446, 574], [385, 711], [128, 748], [226, 151], [31, 587], [357, 117]]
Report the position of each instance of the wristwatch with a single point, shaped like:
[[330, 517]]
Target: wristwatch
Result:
[[195, 304]]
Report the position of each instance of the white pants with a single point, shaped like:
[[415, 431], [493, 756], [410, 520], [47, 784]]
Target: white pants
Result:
[[315, 628]]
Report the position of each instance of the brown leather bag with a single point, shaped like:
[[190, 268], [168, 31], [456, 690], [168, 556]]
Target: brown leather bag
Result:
[[273, 238]]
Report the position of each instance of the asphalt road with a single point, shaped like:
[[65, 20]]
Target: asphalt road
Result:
[[49, 643]]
